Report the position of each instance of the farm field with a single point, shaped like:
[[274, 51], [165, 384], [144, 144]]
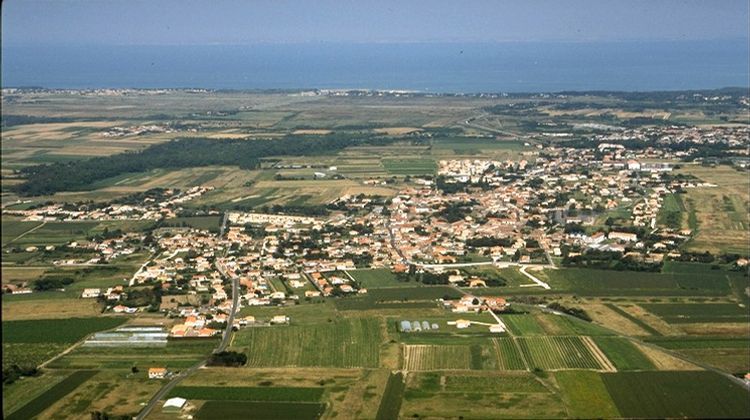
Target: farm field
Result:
[[676, 394], [410, 166], [25, 389], [591, 282], [585, 394], [247, 393], [377, 278], [176, 355], [341, 343], [51, 395], [489, 395], [390, 405], [698, 312], [553, 353], [32, 342], [623, 354], [222, 410], [721, 214]]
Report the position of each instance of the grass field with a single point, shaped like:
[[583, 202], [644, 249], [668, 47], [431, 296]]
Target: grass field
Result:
[[52, 395], [341, 343], [489, 396], [677, 394]]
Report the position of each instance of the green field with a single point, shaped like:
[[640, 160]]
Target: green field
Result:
[[585, 394], [406, 297], [479, 396], [247, 393], [698, 312], [623, 353], [436, 357], [523, 324], [52, 395], [378, 277], [677, 394], [340, 343], [410, 166], [590, 282], [67, 330], [225, 410], [390, 404], [210, 223], [178, 354], [508, 355], [13, 228]]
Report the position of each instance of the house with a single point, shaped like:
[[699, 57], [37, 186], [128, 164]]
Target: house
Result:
[[124, 309], [346, 288], [157, 373], [477, 283], [455, 278], [623, 236], [90, 293], [496, 303], [463, 323]]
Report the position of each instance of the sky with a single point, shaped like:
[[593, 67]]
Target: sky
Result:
[[226, 22]]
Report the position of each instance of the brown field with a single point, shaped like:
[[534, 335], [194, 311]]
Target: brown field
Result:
[[397, 131], [50, 308], [665, 361], [652, 320], [722, 227], [312, 131], [112, 391], [612, 320], [727, 328], [352, 393], [21, 274]]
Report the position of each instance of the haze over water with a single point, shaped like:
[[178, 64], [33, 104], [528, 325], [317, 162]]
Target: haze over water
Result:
[[434, 67]]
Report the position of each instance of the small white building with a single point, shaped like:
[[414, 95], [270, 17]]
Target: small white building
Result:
[[91, 293]]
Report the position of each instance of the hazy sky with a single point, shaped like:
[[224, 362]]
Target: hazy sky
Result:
[[187, 22]]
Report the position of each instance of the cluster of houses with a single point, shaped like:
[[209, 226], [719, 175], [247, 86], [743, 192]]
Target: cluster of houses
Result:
[[166, 204]]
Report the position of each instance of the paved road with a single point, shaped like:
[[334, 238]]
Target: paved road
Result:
[[235, 307], [534, 279]]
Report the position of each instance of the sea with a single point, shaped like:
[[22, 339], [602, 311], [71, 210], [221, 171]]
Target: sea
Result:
[[426, 67]]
